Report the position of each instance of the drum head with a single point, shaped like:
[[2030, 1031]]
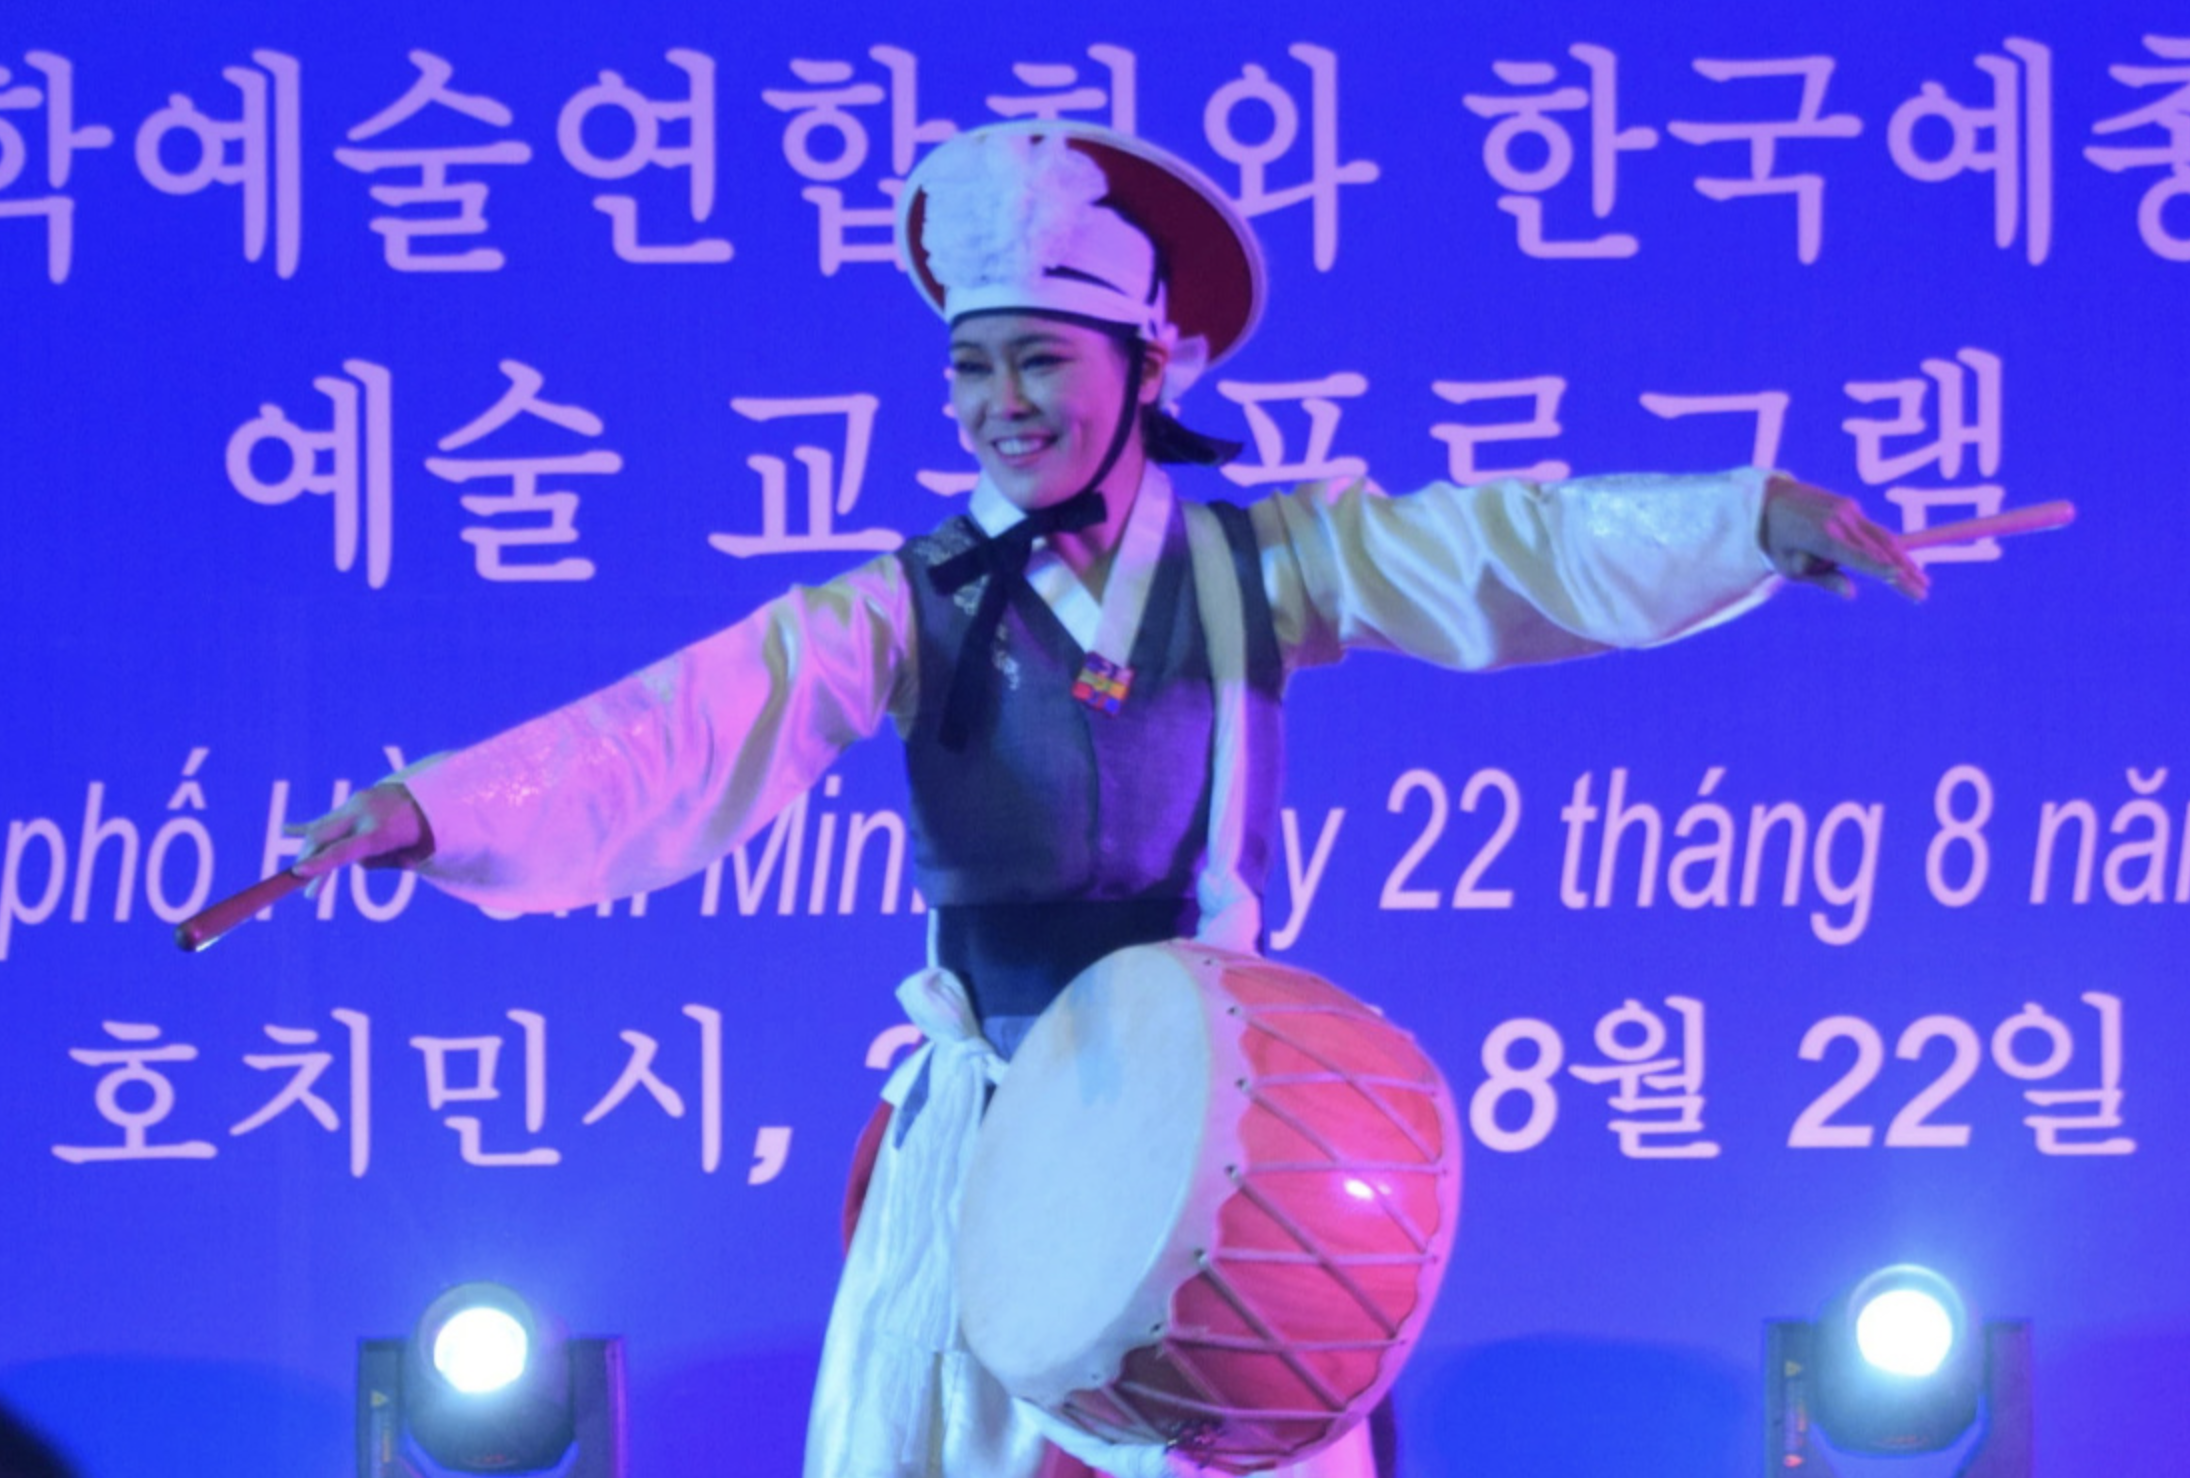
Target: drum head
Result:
[[1086, 1166]]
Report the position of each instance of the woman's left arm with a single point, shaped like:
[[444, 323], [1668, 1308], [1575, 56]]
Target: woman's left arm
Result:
[[1516, 571]]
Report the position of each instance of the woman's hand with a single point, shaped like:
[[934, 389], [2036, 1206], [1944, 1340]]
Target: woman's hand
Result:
[[1815, 537], [378, 827]]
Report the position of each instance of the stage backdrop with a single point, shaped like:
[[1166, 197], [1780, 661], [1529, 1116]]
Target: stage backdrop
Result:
[[375, 376]]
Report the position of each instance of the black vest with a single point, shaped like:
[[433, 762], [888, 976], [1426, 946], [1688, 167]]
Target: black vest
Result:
[[1061, 833]]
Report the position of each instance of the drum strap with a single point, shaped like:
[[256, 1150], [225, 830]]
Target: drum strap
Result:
[[1231, 914]]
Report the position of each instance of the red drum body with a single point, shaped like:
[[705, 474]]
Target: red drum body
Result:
[[1210, 1207]]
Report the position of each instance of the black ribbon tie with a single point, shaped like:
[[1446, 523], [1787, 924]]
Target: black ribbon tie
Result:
[[1003, 560]]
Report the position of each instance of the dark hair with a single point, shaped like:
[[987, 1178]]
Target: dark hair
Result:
[[1163, 437], [1165, 440]]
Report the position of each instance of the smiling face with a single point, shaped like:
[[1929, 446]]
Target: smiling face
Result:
[[1039, 399]]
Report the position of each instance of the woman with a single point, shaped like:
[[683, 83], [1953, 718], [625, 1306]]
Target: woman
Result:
[[1086, 672]]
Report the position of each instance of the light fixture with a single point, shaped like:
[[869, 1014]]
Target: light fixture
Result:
[[1897, 1366], [489, 1383]]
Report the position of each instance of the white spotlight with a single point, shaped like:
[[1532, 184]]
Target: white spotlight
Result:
[[1905, 1331], [480, 1349]]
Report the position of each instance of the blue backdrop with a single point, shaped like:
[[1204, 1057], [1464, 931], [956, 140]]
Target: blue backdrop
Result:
[[376, 376]]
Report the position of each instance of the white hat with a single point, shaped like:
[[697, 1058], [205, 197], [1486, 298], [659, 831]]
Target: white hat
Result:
[[1041, 215]]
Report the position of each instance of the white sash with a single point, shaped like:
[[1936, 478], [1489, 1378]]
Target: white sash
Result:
[[893, 1396], [1231, 915]]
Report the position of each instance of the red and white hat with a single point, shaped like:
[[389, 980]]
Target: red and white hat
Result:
[[1042, 215]]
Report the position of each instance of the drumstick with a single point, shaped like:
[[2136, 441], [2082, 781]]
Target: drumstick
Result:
[[202, 928], [2015, 521]]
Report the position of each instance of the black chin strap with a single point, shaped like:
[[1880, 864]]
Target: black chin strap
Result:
[[1003, 561]]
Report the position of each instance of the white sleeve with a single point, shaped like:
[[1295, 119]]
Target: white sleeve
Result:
[[654, 777], [1511, 571]]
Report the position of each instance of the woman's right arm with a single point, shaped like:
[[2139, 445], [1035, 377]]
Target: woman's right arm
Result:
[[654, 777]]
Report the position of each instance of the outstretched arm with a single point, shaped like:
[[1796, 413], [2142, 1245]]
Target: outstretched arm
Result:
[[652, 778], [1516, 571]]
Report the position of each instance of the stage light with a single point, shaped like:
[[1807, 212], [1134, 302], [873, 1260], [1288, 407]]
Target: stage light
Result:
[[1897, 1366], [1897, 1370], [489, 1383], [480, 1350], [1905, 1332]]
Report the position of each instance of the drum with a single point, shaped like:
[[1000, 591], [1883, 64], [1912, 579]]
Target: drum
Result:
[[1209, 1207]]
